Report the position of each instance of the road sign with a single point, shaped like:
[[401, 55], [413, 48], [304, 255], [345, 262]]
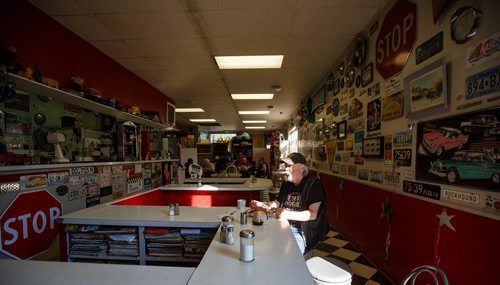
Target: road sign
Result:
[[28, 225], [396, 38]]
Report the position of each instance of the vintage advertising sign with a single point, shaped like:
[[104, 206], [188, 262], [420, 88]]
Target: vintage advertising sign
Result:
[[422, 189], [392, 106], [482, 83], [483, 51], [402, 139], [396, 38], [28, 224], [428, 49]]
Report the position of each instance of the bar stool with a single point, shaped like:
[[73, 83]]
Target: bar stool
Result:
[[326, 270], [432, 270]]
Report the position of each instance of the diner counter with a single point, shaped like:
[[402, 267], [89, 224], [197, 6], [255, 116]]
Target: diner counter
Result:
[[31, 272], [222, 184], [277, 256]]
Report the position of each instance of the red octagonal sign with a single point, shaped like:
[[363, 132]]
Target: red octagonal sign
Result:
[[396, 38], [28, 225]]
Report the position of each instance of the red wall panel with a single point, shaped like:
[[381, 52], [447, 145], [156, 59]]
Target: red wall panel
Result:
[[468, 256], [61, 54]]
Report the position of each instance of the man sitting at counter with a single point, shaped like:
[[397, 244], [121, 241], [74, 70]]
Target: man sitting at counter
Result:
[[302, 201]]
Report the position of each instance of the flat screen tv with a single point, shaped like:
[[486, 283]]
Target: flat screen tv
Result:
[[170, 114]]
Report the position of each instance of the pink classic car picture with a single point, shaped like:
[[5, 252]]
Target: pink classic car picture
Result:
[[444, 139]]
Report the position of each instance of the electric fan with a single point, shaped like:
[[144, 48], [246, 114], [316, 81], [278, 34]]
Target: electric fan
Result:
[[48, 139]]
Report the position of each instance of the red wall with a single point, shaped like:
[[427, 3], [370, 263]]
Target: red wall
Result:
[[190, 198], [468, 256], [61, 54]]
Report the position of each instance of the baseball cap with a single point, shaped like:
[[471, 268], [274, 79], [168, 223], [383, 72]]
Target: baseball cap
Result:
[[295, 157]]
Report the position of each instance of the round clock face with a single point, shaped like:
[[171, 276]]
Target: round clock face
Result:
[[330, 83], [464, 24], [335, 107], [349, 76], [359, 54], [340, 69]]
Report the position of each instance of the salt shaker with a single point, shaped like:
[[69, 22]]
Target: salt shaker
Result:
[[171, 210], [247, 245], [230, 235]]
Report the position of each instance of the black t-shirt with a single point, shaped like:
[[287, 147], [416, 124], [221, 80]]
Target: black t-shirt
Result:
[[290, 196]]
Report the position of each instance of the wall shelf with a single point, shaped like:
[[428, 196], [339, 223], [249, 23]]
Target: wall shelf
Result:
[[34, 87]]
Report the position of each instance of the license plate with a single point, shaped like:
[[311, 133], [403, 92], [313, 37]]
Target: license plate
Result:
[[482, 83]]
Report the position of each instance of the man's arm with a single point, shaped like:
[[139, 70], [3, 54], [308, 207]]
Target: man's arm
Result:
[[308, 215]]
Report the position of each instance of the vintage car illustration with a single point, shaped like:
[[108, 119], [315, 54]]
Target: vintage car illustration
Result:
[[479, 124], [444, 139], [468, 165]]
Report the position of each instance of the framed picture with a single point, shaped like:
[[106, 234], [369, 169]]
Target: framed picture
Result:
[[170, 114], [373, 147], [342, 130], [426, 91], [367, 75]]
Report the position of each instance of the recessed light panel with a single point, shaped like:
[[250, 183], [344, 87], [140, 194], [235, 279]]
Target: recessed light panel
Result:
[[202, 120], [253, 112], [189, 110], [255, 128], [249, 62], [261, 96], [255, 122]]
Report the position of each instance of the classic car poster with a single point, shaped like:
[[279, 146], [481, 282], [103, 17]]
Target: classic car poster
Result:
[[461, 150]]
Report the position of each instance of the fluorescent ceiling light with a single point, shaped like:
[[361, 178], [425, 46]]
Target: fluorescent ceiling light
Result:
[[253, 112], [249, 62], [202, 120], [255, 122], [189, 110], [261, 96], [255, 127]]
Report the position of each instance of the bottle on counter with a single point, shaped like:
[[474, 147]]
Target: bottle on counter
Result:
[[247, 245], [223, 233], [176, 209], [230, 235]]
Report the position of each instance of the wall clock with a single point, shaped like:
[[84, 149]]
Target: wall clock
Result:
[[340, 69], [359, 53], [349, 76], [335, 107], [464, 24]]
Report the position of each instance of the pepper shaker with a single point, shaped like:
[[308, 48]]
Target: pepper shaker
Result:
[[176, 209], [230, 235]]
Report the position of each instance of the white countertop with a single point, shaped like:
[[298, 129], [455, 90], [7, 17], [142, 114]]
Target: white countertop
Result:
[[277, 259], [222, 184], [30, 272]]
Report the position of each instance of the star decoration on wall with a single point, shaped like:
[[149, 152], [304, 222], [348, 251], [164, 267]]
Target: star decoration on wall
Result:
[[386, 210], [444, 219]]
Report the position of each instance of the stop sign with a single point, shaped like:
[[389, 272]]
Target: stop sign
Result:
[[396, 38], [28, 224]]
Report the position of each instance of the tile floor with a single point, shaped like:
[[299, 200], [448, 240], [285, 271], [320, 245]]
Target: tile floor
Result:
[[338, 247]]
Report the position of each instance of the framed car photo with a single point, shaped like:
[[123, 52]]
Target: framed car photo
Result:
[[367, 75], [373, 147], [425, 91]]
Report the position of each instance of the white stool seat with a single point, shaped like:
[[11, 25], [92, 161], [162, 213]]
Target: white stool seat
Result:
[[325, 270]]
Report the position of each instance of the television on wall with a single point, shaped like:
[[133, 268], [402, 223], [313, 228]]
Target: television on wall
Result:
[[170, 114]]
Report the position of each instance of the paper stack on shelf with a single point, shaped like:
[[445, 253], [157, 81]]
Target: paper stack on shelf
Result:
[[87, 244], [123, 244], [164, 243]]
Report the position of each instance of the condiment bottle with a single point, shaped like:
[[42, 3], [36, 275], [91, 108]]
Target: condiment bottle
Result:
[[247, 245], [223, 234], [243, 218], [230, 235], [171, 210]]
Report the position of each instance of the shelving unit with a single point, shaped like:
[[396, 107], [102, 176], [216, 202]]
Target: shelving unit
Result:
[[218, 149], [34, 87], [203, 151], [245, 147], [139, 245]]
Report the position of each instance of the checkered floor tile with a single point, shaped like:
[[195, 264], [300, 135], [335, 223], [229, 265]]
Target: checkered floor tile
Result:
[[338, 247]]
